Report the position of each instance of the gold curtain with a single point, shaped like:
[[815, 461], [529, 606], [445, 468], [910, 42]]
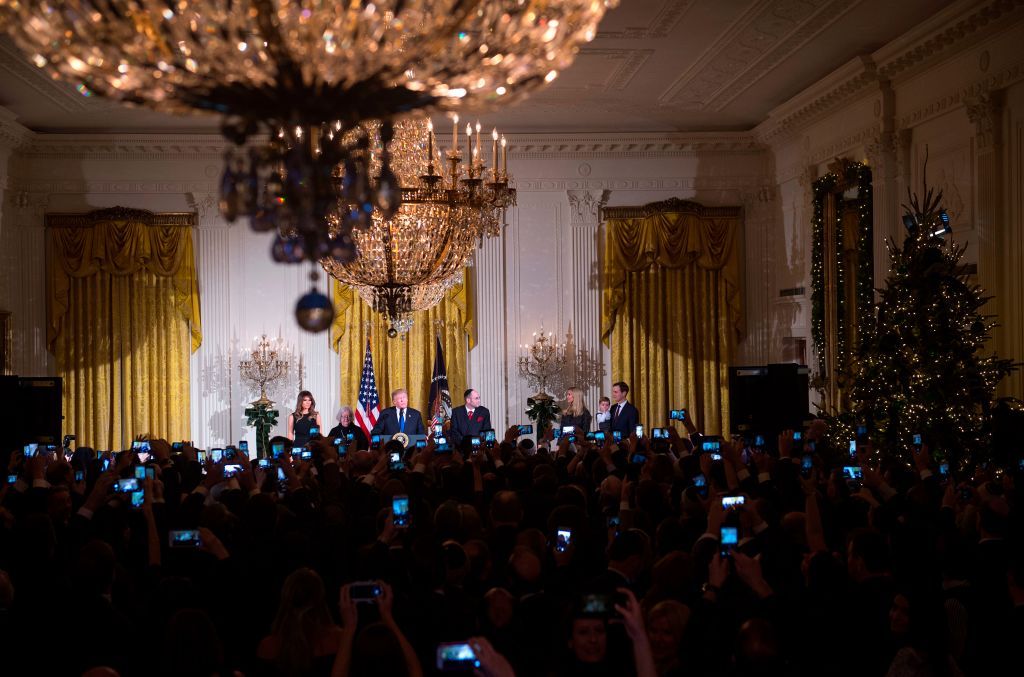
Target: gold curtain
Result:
[[672, 310], [403, 362], [123, 317]]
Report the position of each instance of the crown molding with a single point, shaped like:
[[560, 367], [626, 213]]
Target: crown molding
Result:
[[946, 33], [640, 145], [125, 147], [13, 135]]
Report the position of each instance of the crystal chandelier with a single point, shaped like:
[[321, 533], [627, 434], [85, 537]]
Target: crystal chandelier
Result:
[[301, 65], [409, 257]]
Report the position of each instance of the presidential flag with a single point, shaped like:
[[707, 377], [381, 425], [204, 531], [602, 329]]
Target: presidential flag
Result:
[[440, 397], [367, 405]]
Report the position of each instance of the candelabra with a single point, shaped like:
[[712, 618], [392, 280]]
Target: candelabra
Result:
[[543, 360], [267, 364]]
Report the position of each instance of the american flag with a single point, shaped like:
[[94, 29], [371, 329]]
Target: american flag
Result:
[[367, 406]]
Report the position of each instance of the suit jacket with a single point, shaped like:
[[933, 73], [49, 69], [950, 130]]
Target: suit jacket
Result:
[[463, 427], [387, 422], [626, 421]]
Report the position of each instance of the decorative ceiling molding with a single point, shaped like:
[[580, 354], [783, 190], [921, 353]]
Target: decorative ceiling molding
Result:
[[758, 40], [12, 134], [661, 26], [543, 146], [731, 185], [62, 95], [125, 147], [627, 63], [947, 32], [952, 99]]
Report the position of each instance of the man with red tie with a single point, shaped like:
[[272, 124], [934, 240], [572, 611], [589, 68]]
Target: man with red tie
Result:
[[470, 419], [624, 415]]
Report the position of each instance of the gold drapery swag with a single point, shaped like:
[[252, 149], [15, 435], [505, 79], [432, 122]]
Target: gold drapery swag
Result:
[[672, 309], [403, 362], [123, 316]]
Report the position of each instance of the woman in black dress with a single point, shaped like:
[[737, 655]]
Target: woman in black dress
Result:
[[576, 412], [303, 419]]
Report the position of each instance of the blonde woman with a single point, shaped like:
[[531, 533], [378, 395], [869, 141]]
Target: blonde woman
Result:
[[303, 420], [576, 413]]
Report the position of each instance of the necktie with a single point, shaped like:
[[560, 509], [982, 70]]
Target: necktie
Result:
[[401, 420], [615, 412], [469, 413]]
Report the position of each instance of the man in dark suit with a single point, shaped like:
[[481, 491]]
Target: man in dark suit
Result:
[[469, 419], [399, 418], [624, 415]]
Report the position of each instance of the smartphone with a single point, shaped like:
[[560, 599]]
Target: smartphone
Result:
[[732, 501], [438, 429], [917, 439], [13, 478], [944, 470], [456, 657], [314, 432], [216, 455], [599, 436], [184, 538], [138, 498], [395, 461], [375, 440], [701, 483], [617, 435], [31, 450], [263, 463], [442, 446], [244, 446], [232, 469], [853, 474], [277, 449], [862, 433], [592, 436], [556, 433], [597, 605], [105, 464], [490, 438], [281, 477], [729, 538], [638, 459], [711, 446], [526, 429], [201, 456], [639, 432], [806, 466], [126, 486], [798, 436], [306, 454], [563, 538], [614, 521], [365, 591], [140, 472], [400, 511], [659, 433], [474, 442], [853, 449], [677, 415], [79, 476], [177, 446], [229, 453], [759, 442], [421, 444], [570, 432]]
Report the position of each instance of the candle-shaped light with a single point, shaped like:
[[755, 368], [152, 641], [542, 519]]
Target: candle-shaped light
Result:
[[494, 153], [469, 149], [478, 157], [504, 156], [430, 143], [455, 132]]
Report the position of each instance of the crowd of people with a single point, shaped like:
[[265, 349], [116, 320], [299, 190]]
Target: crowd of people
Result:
[[610, 553]]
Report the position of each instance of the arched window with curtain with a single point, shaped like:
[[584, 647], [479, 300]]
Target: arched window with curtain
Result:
[[406, 361], [672, 311], [122, 319]]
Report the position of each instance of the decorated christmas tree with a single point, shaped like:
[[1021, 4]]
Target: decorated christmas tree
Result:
[[923, 367]]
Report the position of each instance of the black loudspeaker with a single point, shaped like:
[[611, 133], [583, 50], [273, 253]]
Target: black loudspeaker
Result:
[[768, 399], [39, 411]]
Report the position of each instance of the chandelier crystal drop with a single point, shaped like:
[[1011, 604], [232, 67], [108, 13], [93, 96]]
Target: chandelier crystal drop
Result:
[[316, 69], [409, 257]]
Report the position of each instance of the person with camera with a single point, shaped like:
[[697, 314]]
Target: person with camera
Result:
[[589, 648], [379, 648]]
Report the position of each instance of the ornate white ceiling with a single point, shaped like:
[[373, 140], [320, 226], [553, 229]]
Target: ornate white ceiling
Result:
[[655, 66]]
